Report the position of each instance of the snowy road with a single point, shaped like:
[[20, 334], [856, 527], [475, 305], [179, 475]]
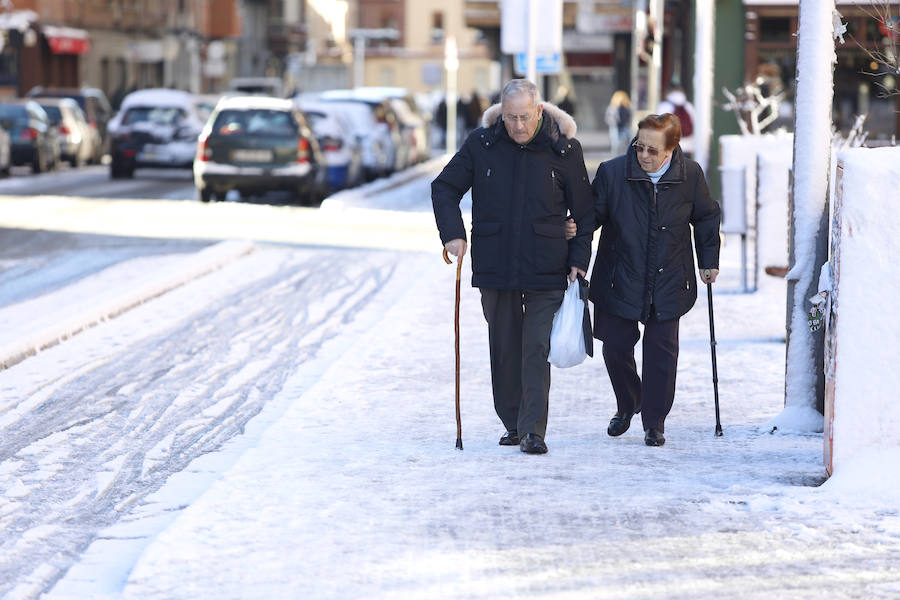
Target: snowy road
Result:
[[94, 425], [95, 182]]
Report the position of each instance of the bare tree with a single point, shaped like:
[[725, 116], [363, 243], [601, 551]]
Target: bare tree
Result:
[[885, 53]]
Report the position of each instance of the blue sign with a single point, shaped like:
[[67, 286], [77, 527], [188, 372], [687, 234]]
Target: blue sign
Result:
[[545, 63]]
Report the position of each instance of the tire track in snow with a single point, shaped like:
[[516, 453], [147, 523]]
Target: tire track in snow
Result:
[[112, 433]]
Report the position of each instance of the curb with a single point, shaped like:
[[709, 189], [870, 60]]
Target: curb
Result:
[[63, 326], [396, 180]]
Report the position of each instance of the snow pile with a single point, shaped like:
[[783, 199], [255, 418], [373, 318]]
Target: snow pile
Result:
[[865, 330], [772, 200], [766, 161], [32, 325], [359, 196]]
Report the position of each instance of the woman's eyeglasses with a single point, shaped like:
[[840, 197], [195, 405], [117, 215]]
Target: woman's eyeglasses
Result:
[[640, 148]]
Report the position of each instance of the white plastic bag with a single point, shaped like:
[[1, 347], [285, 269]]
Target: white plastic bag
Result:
[[567, 336]]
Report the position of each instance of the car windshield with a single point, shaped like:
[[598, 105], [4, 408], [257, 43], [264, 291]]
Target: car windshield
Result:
[[16, 114], [315, 118], [54, 113], [277, 123], [76, 97], [164, 115]]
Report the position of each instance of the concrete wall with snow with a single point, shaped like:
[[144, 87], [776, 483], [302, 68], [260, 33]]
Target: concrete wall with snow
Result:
[[862, 376]]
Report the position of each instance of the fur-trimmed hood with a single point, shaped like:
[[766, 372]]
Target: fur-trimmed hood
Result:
[[562, 122]]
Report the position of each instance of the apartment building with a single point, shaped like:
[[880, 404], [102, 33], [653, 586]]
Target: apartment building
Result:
[[116, 45]]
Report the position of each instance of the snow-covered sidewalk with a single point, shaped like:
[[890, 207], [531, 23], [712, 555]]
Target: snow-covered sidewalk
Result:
[[357, 490]]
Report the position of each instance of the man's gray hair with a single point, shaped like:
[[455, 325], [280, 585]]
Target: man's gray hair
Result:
[[521, 86]]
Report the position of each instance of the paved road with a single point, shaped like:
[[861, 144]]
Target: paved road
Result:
[[94, 425], [94, 182], [90, 427]]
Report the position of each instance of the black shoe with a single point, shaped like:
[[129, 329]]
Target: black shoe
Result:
[[532, 444], [654, 437], [619, 424], [510, 438]]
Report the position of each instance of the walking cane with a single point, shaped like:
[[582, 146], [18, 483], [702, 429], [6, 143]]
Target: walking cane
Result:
[[459, 444], [712, 347]]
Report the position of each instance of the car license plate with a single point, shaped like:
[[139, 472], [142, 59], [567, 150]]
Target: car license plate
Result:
[[150, 154], [252, 156]]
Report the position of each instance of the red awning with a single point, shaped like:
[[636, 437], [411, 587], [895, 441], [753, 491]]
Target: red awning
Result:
[[67, 40]]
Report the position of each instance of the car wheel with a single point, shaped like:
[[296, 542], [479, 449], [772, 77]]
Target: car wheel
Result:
[[205, 195], [38, 164]]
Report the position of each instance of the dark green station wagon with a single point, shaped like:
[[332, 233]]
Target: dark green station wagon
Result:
[[256, 144]]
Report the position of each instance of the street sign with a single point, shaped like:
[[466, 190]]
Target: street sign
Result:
[[545, 63], [514, 26]]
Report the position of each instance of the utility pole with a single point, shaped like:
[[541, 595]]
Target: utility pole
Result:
[[654, 75], [532, 41], [451, 66], [804, 381], [704, 77]]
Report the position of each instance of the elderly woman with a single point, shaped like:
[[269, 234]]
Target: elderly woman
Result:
[[645, 203]]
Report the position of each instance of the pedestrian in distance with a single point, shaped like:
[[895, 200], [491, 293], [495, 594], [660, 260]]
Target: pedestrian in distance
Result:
[[676, 102], [527, 175], [646, 202], [618, 120]]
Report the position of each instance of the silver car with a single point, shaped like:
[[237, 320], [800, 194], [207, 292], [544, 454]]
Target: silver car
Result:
[[79, 143]]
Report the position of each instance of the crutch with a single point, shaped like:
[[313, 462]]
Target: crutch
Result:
[[712, 348]]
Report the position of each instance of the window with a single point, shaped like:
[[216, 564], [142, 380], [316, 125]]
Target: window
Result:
[[775, 29], [269, 123], [437, 27]]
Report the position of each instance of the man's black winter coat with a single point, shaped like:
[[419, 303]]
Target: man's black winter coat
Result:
[[521, 196], [644, 256]]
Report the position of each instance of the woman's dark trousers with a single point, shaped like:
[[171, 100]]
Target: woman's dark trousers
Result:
[[654, 391]]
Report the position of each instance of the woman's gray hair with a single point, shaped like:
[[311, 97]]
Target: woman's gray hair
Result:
[[521, 86]]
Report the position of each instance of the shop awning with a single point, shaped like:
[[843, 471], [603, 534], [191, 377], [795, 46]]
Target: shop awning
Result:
[[67, 40]]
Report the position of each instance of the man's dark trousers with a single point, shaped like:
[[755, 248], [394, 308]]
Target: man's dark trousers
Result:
[[653, 392], [519, 324]]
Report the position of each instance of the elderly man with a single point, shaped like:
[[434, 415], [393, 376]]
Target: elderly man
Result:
[[527, 175], [646, 203]]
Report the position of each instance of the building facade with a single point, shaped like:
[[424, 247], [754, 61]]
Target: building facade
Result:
[[116, 45], [415, 58], [862, 85]]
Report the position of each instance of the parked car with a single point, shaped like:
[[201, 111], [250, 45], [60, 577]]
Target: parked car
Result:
[[408, 111], [79, 142], [384, 114], [94, 103], [338, 141], [415, 130], [205, 104], [375, 140], [34, 139], [5, 152], [256, 144], [154, 128], [264, 86]]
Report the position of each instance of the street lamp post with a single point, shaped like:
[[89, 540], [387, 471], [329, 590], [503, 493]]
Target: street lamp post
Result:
[[451, 65]]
